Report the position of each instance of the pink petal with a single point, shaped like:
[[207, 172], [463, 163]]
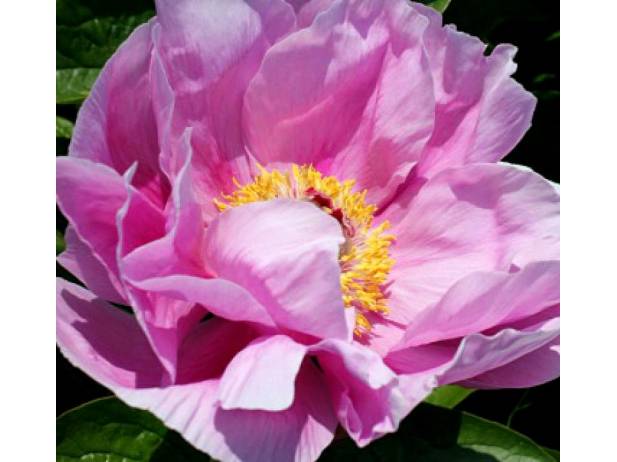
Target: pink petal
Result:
[[479, 217], [83, 264], [103, 341], [479, 353], [323, 95], [116, 125], [299, 433], [221, 297], [285, 253], [90, 196], [476, 354], [205, 54], [481, 112], [486, 299], [209, 346], [535, 368], [263, 375], [367, 395]]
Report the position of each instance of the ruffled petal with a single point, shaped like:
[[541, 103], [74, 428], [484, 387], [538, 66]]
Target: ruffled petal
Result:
[[298, 434], [481, 217], [103, 341], [481, 112], [116, 124], [285, 253]]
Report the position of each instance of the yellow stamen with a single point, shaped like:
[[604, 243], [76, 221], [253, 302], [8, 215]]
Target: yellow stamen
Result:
[[365, 260]]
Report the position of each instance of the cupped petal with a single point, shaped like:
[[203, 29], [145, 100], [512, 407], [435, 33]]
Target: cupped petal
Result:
[[484, 300], [480, 217], [262, 376], [116, 124], [90, 196], [205, 53], [351, 93], [481, 112], [299, 433], [79, 260], [367, 395], [284, 253], [103, 341]]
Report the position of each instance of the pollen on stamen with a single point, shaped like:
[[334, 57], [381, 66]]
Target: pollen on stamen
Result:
[[365, 259]]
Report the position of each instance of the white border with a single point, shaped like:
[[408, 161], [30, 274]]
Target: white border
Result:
[[27, 192], [589, 230]]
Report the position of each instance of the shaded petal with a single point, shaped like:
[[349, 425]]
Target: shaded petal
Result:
[[479, 217], [483, 300], [262, 376], [298, 434], [86, 266], [209, 347], [367, 395], [104, 341], [535, 368], [116, 124], [285, 253], [324, 95]]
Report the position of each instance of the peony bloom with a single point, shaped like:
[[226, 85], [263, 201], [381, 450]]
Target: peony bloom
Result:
[[303, 205]]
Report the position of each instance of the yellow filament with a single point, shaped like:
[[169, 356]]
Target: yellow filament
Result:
[[365, 261]]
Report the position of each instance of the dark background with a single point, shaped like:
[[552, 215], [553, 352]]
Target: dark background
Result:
[[533, 26]]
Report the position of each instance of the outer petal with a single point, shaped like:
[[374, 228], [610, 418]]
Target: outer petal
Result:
[[483, 300], [476, 354], [103, 341], [297, 434], [481, 112], [90, 195], [116, 124], [535, 368], [205, 54], [475, 218], [263, 375], [285, 253], [82, 263], [369, 399], [324, 95]]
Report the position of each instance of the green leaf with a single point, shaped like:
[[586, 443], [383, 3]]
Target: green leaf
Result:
[[64, 128], [553, 452], [436, 434], [60, 245], [88, 32], [439, 5], [73, 85], [107, 430], [448, 396]]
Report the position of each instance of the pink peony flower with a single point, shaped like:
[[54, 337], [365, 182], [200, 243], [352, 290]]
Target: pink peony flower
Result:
[[303, 206]]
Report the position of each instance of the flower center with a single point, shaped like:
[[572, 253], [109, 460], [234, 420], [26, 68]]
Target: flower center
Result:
[[364, 258]]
